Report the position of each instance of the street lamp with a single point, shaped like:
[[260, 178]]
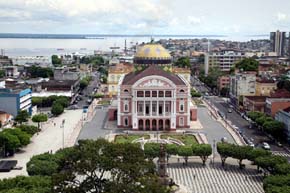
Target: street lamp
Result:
[[213, 149], [62, 126]]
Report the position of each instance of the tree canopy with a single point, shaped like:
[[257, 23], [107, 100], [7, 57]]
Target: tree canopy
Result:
[[39, 118], [22, 116], [183, 62], [23, 184], [247, 64], [57, 109]]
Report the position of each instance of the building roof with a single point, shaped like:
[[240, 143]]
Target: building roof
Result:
[[287, 110], [280, 93], [133, 77], [256, 98], [154, 51], [266, 81]]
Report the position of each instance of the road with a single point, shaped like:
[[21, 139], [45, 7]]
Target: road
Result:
[[95, 128], [213, 129], [252, 134], [89, 90]]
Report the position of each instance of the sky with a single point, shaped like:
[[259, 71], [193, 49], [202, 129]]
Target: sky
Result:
[[137, 17]]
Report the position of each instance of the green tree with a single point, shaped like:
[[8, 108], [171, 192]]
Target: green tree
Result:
[[258, 152], [202, 150], [254, 115], [22, 116], [261, 120], [282, 169], [240, 153], [224, 149], [2, 73], [247, 64], [183, 62], [171, 149], [9, 143], [30, 129], [194, 93], [129, 169], [269, 162], [55, 60], [57, 109], [83, 84], [39, 118], [24, 138], [25, 184], [185, 152], [151, 150], [275, 128], [277, 184]]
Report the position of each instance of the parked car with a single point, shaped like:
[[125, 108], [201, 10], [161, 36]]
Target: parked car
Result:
[[266, 146], [230, 110], [251, 144]]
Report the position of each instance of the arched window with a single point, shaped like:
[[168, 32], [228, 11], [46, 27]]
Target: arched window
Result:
[[126, 121], [126, 91], [181, 107], [126, 107], [181, 91]]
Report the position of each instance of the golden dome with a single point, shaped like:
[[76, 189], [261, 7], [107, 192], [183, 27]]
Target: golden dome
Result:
[[152, 51]]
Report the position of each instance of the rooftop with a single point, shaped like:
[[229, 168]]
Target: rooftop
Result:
[[256, 98], [152, 51], [132, 77]]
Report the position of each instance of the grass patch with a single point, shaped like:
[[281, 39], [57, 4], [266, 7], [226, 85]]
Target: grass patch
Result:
[[104, 102], [128, 138], [186, 139]]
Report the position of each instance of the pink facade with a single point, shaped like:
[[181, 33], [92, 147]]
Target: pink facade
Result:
[[154, 100]]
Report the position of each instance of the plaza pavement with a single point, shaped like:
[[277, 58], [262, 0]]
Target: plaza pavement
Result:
[[49, 139], [215, 178]]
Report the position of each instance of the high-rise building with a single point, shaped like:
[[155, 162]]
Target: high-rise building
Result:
[[278, 42], [223, 59]]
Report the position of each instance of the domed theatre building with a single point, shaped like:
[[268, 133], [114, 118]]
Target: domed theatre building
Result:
[[152, 97]]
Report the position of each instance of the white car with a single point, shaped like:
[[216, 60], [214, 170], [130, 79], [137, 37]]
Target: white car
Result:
[[266, 146]]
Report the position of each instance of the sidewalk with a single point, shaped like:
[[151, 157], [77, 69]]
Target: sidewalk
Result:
[[49, 139], [213, 112]]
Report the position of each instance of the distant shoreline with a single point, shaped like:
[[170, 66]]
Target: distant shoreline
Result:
[[96, 36]]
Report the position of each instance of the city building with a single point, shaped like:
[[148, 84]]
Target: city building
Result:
[[114, 75], [5, 61], [43, 61], [278, 42], [265, 87], [66, 73], [284, 117], [242, 84], [254, 103], [12, 101], [152, 97], [11, 71], [273, 105], [223, 82], [224, 59]]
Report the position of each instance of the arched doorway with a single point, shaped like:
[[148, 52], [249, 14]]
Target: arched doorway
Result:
[[140, 124], [115, 114], [160, 123], [147, 124], [167, 124], [154, 124]]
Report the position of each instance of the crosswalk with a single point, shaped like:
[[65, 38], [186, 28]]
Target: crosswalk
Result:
[[283, 154], [209, 179]]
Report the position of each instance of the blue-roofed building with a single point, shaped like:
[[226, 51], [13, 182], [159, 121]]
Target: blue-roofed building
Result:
[[12, 101]]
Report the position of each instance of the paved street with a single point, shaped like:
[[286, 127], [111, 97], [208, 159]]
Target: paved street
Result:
[[212, 128], [209, 179], [95, 128], [256, 135]]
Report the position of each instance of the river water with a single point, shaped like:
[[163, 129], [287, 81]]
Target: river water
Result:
[[47, 47]]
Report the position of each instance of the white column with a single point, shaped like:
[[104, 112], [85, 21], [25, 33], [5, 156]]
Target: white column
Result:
[[144, 108], [163, 107], [151, 108]]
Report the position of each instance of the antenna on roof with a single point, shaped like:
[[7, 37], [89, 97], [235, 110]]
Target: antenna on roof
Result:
[[151, 39]]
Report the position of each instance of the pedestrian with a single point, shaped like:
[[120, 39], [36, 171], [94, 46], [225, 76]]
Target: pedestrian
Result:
[[194, 176], [178, 159]]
